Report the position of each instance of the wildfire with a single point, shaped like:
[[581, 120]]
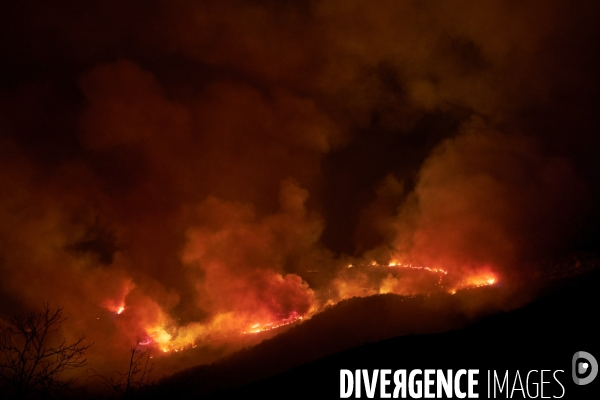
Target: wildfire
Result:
[[400, 265], [477, 279], [370, 278], [257, 327], [114, 307], [168, 337], [358, 280], [116, 303], [165, 341], [484, 279]]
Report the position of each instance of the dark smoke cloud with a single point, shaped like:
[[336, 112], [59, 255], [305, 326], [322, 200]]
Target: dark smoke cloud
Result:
[[489, 198], [213, 165]]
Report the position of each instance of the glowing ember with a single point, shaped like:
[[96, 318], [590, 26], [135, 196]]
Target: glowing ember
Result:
[[257, 327], [116, 308], [358, 286], [475, 281], [116, 302], [161, 337], [419, 267], [355, 280], [400, 265]]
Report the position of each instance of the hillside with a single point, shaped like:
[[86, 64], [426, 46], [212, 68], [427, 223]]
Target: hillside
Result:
[[408, 332]]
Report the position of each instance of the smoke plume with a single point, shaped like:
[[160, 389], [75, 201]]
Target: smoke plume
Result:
[[185, 173]]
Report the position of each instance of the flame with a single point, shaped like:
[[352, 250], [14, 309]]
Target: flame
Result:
[[357, 279], [484, 278], [361, 284], [114, 307], [170, 338], [116, 304], [258, 327]]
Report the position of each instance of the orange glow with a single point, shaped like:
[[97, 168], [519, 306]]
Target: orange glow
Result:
[[435, 270], [116, 303], [361, 284], [167, 337], [356, 279], [478, 279], [116, 308], [257, 327]]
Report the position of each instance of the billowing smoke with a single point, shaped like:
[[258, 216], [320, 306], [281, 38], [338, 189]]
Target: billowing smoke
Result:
[[243, 262], [189, 172], [489, 200]]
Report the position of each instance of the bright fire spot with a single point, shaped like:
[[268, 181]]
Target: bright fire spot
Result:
[[364, 279], [161, 337], [115, 308], [369, 278], [397, 264], [476, 280], [257, 327], [116, 302]]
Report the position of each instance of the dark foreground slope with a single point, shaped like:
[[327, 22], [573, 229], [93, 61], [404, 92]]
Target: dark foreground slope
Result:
[[543, 335]]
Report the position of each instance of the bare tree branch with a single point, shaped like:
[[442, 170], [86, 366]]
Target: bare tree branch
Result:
[[134, 382], [29, 363]]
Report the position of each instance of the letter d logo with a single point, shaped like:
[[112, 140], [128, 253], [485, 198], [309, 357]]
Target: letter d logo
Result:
[[580, 368]]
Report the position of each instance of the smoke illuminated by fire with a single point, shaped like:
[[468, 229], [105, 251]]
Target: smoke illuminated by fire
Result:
[[257, 327], [209, 174], [167, 336]]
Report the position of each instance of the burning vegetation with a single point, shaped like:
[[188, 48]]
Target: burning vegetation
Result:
[[365, 280], [202, 175]]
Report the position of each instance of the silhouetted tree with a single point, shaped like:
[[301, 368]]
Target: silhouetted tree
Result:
[[134, 382], [31, 362]]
